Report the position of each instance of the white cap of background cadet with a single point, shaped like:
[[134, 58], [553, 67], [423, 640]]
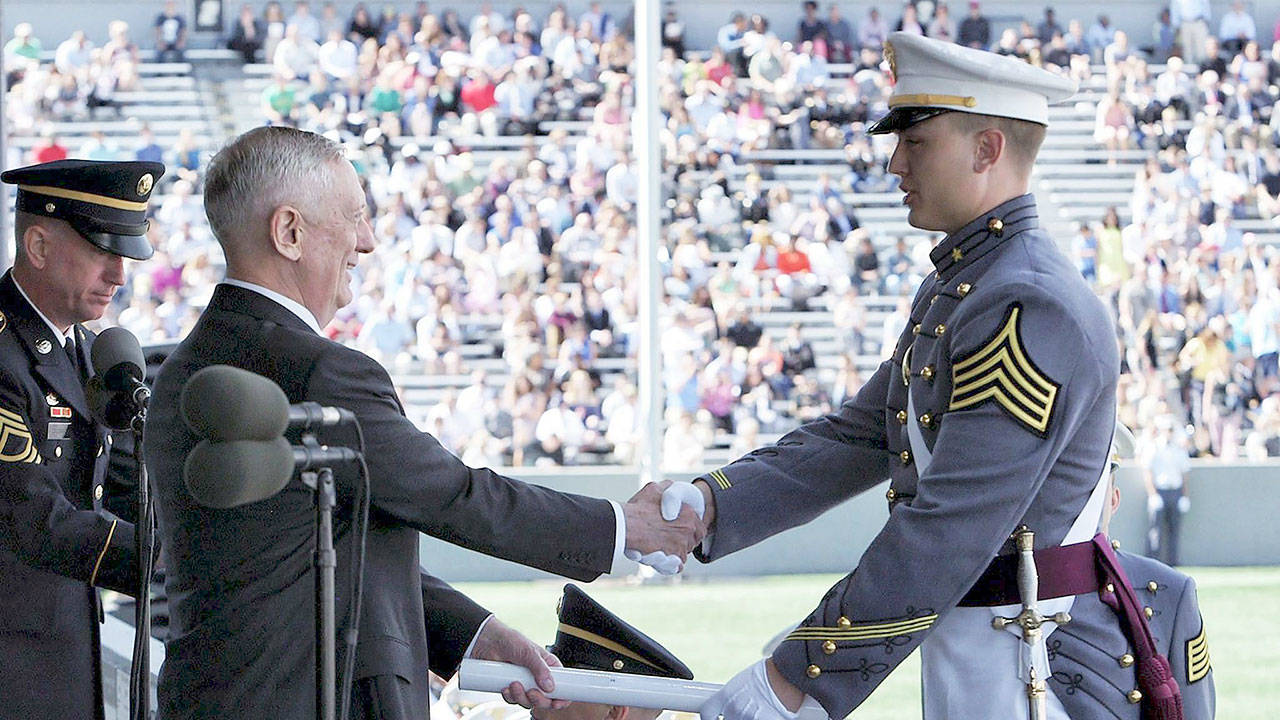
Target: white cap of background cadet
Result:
[[932, 77]]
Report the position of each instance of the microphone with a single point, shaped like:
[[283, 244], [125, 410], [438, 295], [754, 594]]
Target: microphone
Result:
[[238, 472], [118, 360], [224, 403], [112, 409]]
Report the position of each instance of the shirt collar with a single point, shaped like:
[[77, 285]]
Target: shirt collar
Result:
[[984, 234], [69, 334], [288, 303]]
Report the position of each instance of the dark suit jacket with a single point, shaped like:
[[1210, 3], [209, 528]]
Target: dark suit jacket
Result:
[[240, 580], [56, 540]]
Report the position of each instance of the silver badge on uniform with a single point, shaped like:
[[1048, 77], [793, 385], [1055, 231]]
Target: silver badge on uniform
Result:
[[43, 347], [51, 399], [58, 430]]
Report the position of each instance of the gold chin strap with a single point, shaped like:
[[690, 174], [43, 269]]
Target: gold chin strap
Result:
[[926, 99]]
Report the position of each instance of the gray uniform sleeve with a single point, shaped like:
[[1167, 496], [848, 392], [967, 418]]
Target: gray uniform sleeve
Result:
[[808, 471], [1189, 657]]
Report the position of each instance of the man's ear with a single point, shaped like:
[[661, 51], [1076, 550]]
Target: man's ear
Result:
[[286, 228], [988, 150], [618, 712], [37, 245]]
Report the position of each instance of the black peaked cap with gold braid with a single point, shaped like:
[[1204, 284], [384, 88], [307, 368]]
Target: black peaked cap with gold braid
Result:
[[104, 201], [590, 637]]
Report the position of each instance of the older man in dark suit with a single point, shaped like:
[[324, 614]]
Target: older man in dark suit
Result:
[[290, 214]]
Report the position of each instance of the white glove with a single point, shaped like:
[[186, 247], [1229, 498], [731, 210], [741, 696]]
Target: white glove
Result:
[[748, 696], [665, 564], [682, 493], [676, 495], [1154, 504], [1184, 504]]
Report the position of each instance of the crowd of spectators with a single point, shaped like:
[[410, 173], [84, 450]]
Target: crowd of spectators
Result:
[[514, 272]]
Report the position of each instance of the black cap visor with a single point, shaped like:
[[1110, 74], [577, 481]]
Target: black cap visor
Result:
[[130, 245], [901, 118]]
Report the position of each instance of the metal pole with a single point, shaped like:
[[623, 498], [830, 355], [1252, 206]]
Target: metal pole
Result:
[[647, 153], [6, 224]]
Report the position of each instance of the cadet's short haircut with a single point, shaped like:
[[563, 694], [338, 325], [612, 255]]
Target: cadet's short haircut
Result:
[[262, 170], [1023, 138]]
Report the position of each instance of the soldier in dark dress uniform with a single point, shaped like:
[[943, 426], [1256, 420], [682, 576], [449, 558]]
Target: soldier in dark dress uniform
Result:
[[76, 222]]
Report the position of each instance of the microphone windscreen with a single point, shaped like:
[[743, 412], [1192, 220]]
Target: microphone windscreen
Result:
[[228, 474], [224, 403], [115, 355], [109, 408]]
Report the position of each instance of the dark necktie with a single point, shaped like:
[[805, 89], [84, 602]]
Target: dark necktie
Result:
[[73, 356]]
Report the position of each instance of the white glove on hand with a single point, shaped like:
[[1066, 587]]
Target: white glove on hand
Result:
[[748, 696], [1154, 504], [676, 495], [665, 564], [682, 493], [1184, 504]]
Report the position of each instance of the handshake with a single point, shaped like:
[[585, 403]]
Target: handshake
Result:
[[665, 522]]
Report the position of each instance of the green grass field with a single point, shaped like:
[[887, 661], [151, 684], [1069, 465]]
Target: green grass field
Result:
[[719, 626]]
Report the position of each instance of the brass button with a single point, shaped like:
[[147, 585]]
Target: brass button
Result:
[[963, 289], [940, 329], [97, 492], [50, 207], [933, 299], [915, 329], [957, 254], [926, 420], [1125, 660], [890, 494], [1135, 696], [1148, 612], [926, 372], [902, 416], [1151, 586], [814, 671], [843, 623], [995, 225], [57, 452], [617, 664], [1111, 588], [829, 647], [906, 457], [1115, 544]]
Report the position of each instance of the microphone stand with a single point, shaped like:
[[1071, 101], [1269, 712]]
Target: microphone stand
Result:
[[140, 686], [326, 562]]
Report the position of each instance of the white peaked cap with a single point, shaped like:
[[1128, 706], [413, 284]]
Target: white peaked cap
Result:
[[933, 76]]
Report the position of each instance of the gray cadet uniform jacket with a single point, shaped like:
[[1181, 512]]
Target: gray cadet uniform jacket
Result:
[[1093, 667], [1007, 370]]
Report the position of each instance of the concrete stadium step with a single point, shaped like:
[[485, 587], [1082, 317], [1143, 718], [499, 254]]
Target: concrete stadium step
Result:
[[1085, 197], [1121, 183], [203, 138], [158, 97], [119, 127], [1098, 155], [1060, 169], [167, 82]]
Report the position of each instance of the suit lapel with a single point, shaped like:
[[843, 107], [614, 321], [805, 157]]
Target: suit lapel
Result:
[[50, 362]]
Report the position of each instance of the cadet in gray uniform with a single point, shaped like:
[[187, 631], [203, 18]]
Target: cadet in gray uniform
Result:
[[995, 411], [1175, 618]]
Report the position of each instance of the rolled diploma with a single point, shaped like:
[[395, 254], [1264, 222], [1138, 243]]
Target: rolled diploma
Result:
[[597, 686]]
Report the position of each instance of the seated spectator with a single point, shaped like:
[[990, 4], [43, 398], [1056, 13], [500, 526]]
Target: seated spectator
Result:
[[1113, 124], [24, 44], [295, 55], [308, 25], [975, 29], [274, 25], [247, 35], [866, 267], [1236, 28], [171, 34], [279, 102], [673, 32], [337, 58], [840, 44], [873, 30], [910, 21], [942, 26], [74, 57]]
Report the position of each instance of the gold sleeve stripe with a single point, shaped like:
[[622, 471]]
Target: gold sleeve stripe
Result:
[[868, 631], [603, 642], [13, 430], [1000, 370], [721, 479], [1197, 656], [103, 553]]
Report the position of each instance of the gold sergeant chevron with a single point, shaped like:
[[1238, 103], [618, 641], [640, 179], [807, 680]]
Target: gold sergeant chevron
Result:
[[1000, 370]]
